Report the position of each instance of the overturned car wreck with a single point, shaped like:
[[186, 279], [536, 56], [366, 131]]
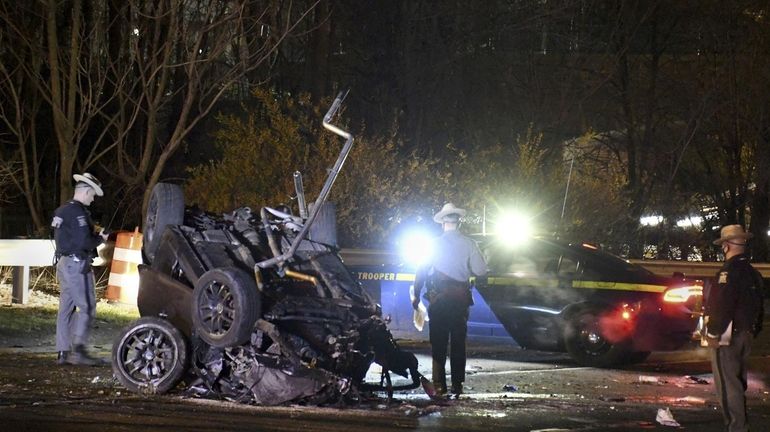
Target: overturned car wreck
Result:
[[254, 307]]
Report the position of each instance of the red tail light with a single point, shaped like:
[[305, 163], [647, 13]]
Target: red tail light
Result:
[[629, 311]]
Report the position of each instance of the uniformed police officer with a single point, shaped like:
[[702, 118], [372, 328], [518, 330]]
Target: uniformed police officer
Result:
[[455, 259], [735, 311], [76, 242]]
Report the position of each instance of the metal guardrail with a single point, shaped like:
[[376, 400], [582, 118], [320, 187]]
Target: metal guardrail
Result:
[[369, 257], [692, 268], [21, 254]]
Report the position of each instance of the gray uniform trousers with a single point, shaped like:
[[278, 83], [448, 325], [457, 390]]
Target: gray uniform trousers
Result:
[[77, 302], [730, 367]]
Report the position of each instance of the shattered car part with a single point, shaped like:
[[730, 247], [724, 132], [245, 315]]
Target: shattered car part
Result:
[[253, 308]]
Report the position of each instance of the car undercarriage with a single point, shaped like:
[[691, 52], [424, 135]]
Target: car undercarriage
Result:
[[254, 307]]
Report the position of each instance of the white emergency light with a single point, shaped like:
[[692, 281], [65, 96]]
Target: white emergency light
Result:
[[514, 228], [416, 247]]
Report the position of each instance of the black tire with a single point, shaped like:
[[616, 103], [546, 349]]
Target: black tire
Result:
[[225, 306], [587, 345], [150, 356], [166, 207]]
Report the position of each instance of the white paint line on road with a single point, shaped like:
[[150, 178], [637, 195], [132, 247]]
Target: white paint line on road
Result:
[[526, 371]]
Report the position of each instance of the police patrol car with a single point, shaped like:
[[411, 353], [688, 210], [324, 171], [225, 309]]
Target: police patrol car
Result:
[[601, 309]]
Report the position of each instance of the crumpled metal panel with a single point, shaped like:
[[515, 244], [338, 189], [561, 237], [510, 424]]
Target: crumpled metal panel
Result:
[[318, 333], [271, 386], [244, 375]]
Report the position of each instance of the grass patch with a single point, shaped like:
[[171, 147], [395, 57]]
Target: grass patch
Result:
[[116, 313], [15, 320], [34, 324], [20, 320]]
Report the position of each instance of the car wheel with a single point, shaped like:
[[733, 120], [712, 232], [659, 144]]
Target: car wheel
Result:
[[149, 356], [587, 345], [225, 307], [166, 207]]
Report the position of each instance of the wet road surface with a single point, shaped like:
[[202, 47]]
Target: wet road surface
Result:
[[507, 389]]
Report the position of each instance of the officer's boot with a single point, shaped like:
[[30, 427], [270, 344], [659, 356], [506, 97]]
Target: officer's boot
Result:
[[61, 358], [439, 378], [79, 356]]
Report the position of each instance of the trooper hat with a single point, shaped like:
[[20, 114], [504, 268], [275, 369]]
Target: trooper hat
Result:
[[447, 214], [91, 181], [732, 232]]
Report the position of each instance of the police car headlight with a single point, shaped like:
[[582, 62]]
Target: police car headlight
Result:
[[416, 248], [514, 229], [682, 294]]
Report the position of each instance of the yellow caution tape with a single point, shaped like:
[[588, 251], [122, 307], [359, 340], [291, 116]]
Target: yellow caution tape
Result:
[[618, 286]]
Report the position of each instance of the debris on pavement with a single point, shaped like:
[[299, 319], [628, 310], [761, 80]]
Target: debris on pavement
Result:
[[645, 379], [510, 388], [698, 379], [665, 418], [612, 399], [692, 400], [470, 370]]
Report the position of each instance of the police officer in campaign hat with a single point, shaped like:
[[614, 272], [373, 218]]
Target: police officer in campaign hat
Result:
[[76, 241], [734, 311], [446, 277]]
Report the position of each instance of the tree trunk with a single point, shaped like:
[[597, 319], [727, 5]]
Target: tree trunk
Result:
[[760, 205], [317, 69], [63, 85]]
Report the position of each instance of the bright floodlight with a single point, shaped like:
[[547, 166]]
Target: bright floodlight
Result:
[[690, 221], [416, 247], [514, 228], [651, 221]]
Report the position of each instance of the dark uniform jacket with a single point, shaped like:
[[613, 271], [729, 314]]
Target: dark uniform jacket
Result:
[[74, 231], [737, 296]]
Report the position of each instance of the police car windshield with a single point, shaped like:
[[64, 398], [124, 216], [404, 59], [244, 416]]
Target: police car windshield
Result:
[[606, 260], [547, 255]]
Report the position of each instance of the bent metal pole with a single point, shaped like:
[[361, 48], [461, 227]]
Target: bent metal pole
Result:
[[326, 188]]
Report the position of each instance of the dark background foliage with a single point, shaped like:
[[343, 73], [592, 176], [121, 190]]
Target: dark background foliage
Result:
[[634, 108]]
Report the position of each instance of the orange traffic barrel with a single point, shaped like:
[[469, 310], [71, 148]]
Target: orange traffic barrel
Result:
[[123, 284]]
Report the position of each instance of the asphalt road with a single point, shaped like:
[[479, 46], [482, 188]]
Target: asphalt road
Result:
[[508, 389]]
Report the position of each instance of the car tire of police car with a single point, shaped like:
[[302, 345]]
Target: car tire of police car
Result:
[[587, 346], [225, 306], [166, 207], [150, 356]]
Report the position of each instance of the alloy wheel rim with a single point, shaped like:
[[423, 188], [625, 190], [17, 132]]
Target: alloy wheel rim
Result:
[[148, 354], [217, 309]]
